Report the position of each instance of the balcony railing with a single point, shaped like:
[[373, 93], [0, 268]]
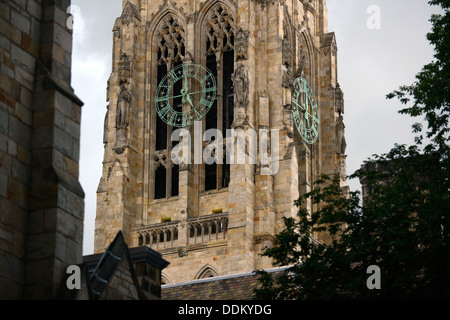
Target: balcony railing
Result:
[[206, 229], [169, 235], [159, 236]]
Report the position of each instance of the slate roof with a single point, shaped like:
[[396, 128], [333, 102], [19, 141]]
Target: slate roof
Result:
[[236, 287]]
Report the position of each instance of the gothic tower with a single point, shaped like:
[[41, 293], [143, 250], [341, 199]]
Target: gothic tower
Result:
[[216, 219]]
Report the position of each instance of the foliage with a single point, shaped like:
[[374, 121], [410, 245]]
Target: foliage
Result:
[[430, 93], [402, 224], [403, 227]]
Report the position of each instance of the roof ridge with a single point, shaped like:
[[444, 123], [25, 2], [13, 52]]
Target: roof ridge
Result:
[[239, 275]]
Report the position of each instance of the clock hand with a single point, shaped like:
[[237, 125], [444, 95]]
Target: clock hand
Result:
[[188, 97], [307, 115], [186, 87], [179, 96]]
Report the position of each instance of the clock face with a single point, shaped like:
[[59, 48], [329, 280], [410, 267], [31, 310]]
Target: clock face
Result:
[[185, 95], [306, 112]]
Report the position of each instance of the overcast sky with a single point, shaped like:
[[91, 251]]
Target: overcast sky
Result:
[[372, 63]]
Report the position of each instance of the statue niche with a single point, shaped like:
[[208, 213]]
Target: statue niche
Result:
[[123, 104], [123, 108], [241, 93], [241, 44], [341, 142]]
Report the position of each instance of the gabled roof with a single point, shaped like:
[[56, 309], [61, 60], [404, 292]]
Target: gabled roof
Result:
[[116, 254]]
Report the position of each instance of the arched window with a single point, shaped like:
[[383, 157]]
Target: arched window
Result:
[[207, 272], [219, 50], [171, 50], [165, 280]]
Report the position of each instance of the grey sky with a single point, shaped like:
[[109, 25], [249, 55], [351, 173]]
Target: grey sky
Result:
[[372, 63]]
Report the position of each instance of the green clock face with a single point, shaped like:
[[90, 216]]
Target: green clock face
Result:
[[306, 112], [177, 103]]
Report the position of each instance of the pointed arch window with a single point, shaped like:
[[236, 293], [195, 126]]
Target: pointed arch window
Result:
[[219, 51], [207, 272], [171, 50]]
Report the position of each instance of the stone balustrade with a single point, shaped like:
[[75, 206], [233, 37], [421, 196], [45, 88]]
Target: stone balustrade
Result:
[[168, 235], [210, 228]]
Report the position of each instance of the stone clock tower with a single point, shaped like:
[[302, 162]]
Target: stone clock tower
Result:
[[216, 219]]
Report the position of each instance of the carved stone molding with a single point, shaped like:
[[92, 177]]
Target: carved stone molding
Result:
[[241, 44]]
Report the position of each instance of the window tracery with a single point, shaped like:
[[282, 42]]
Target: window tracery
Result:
[[170, 39], [220, 57]]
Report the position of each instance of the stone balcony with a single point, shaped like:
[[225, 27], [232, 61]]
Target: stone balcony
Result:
[[181, 234]]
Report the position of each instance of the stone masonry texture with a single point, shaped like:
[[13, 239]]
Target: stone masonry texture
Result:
[[41, 200]]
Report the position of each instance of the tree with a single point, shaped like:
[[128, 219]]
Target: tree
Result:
[[403, 224]]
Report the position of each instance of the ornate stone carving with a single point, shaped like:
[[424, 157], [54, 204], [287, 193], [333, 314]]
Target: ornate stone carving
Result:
[[241, 92], [287, 79], [122, 119], [182, 252], [123, 107], [241, 86], [340, 132], [123, 104], [160, 159], [117, 28], [339, 100], [170, 40], [266, 241], [219, 30], [266, 244], [287, 52], [124, 69], [288, 120], [241, 45]]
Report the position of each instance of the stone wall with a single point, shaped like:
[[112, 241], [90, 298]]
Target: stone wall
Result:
[[41, 200]]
